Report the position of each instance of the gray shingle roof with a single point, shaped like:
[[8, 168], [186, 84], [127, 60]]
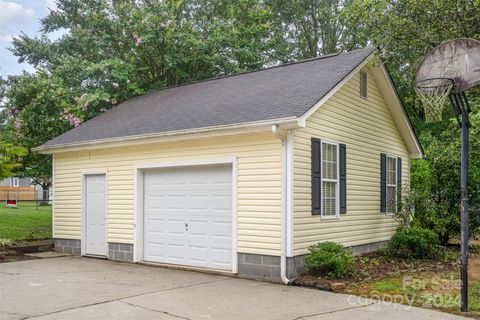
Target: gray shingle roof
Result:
[[274, 93]]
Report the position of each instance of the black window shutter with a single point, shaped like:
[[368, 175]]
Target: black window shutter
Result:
[[343, 178], [383, 182], [316, 176], [399, 184]]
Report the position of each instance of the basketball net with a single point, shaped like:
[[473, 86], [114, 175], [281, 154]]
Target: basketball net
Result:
[[434, 96]]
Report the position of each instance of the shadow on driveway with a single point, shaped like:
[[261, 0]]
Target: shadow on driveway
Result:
[[75, 287]]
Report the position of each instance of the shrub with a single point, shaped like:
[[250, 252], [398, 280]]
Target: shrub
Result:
[[416, 243], [474, 248], [329, 259]]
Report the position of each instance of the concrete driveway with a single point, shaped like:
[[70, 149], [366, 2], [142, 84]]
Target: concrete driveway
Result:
[[82, 288]]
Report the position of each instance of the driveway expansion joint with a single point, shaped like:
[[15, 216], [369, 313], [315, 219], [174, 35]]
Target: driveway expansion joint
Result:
[[153, 310], [124, 298]]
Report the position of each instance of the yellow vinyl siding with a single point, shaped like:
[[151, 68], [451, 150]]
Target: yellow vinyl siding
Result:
[[258, 183], [367, 128]]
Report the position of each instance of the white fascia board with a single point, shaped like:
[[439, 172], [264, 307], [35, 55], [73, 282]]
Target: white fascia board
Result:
[[303, 118], [172, 136], [395, 106], [391, 98]]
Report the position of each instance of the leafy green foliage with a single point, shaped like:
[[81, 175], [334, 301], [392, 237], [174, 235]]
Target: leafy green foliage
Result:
[[474, 296], [10, 157], [415, 243], [310, 28], [405, 31], [114, 50], [329, 259], [436, 180], [474, 248], [388, 285]]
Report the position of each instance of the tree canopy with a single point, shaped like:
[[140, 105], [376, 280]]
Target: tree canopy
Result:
[[113, 50]]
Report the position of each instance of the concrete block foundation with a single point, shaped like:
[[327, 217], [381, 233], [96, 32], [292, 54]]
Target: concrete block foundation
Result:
[[67, 246], [250, 265], [120, 252]]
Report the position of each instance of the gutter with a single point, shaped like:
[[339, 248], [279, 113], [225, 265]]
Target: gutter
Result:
[[283, 231], [284, 123]]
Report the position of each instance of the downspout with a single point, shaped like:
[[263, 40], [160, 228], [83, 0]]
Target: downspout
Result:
[[283, 230]]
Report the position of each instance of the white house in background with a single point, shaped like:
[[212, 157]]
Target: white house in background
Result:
[[16, 182]]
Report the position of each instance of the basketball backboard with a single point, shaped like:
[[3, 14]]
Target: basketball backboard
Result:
[[457, 59]]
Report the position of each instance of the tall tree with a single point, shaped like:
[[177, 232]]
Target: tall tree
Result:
[[406, 30], [113, 50], [310, 28], [34, 111], [10, 159]]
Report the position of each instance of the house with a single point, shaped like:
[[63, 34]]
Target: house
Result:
[[16, 182], [240, 173], [22, 188], [17, 188]]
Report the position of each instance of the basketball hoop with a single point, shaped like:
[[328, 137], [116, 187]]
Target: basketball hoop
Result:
[[434, 94], [444, 74]]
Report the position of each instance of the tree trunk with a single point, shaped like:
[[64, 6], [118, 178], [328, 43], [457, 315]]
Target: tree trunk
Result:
[[45, 194]]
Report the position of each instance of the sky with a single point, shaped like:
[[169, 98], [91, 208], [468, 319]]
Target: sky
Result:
[[17, 16]]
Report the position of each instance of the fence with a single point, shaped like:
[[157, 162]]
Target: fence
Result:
[[25, 214], [18, 193]]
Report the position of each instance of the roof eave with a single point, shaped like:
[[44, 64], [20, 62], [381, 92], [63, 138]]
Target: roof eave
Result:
[[171, 136], [408, 131], [303, 118], [415, 149]]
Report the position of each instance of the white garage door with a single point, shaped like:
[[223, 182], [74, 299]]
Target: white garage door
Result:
[[188, 216]]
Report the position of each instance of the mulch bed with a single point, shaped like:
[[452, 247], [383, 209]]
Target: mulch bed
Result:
[[17, 251], [423, 283], [374, 267], [12, 257]]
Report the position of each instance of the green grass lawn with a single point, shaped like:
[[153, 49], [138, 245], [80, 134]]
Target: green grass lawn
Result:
[[26, 222]]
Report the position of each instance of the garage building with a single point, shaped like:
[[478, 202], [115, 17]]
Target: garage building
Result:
[[239, 174]]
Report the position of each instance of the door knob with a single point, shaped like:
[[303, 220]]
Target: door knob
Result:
[[186, 226]]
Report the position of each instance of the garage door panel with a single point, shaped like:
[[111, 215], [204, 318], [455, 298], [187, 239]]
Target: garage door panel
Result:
[[166, 225], [188, 216]]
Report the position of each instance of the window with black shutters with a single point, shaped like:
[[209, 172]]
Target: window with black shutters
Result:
[[328, 178], [390, 183]]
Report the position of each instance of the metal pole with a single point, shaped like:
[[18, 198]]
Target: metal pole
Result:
[[464, 215]]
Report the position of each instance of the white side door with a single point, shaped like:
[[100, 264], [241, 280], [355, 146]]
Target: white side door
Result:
[[95, 215]]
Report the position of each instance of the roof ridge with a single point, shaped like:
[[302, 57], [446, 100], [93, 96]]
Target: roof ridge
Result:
[[221, 102], [330, 55]]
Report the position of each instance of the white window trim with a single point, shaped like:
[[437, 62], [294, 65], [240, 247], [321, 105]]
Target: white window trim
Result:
[[15, 182], [395, 185], [337, 189]]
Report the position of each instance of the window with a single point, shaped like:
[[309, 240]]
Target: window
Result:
[[329, 178], [15, 182], [391, 184], [330, 198], [363, 84]]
